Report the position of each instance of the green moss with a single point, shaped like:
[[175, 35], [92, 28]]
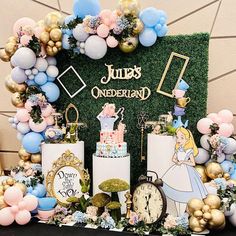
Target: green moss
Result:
[[113, 205], [101, 199], [153, 61], [113, 185]]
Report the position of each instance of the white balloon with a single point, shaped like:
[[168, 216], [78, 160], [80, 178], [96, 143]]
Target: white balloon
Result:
[[230, 147], [79, 33], [204, 142], [13, 63], [23, 127], [19, 136], [51, 61], [95, 47], [31, 77], [35, 71], [25, 58], [16, 120], [11, 119], [28, 72], [41, 64], [202, 157], [52, 71], [232, 218]]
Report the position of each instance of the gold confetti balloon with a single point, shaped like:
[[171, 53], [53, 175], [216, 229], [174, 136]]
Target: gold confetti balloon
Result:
[[129, 44], [129, 7], [138, 28]]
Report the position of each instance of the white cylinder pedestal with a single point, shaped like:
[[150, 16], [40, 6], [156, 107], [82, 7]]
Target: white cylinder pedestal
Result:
[[51, 152], [109, 168], [160, 150]]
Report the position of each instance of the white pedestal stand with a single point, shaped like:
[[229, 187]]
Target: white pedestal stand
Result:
[[108, 168]]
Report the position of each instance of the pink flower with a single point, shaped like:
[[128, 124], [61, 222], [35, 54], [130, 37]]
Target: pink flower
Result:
[[109, 110], [170, 222], [91, 211], [134, 218], [29, 172]]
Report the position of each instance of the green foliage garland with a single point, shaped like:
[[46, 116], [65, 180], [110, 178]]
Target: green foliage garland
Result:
[[153, 61]]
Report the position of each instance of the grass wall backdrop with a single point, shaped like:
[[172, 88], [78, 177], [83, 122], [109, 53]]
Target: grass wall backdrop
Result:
[[152, 61]]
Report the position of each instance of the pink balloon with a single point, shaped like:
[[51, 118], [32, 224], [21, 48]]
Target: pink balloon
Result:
[[22, 115], [50, 120], [14, 209], [38, 127], [22, 205], [38, 31], [6, 217], [226, 116], [13, 196], [23, 217], [21, 23], [225, 130], [47, 111], [111, 42], [24, 40], [28, 105], [103, 31], [232, 127], [203, 125], [108, 18], [215, 118], [31, 202]]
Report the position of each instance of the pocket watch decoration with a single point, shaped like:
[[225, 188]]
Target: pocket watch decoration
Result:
[[149, 200]]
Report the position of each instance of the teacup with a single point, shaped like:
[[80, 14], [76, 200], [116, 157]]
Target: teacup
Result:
[[47, 203], [178, 93], [179, 111], [182, 85], [182, 102], [45, 215]]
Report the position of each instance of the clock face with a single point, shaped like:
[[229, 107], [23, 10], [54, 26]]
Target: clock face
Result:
[[148, 202]]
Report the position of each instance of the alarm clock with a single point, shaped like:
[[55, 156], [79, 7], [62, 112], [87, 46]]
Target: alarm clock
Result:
[[149, 200]]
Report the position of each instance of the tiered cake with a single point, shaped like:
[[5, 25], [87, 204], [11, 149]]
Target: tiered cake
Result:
[[111, 159]]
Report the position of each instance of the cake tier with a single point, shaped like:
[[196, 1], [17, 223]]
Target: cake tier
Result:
[[111, 137], [111, 150]]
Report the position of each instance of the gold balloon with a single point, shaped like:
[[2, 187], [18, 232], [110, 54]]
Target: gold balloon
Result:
[[55, 50], [17, 100], [214, 170], [6, 186], [198, 213], [13, 87], [1, 192], [213, 201], [22, 187], [12, 39], [217, 220], [51, 43], [4, 182], [138, 26], [202, 222], [221, 227], [1, 188], [194, 205], [207, 216], [10, 181], [23, 154], [129, 7], [36, 158], [10, 48], [55, 34], [206, 208], [4, 56], [53, 20], [129, 44], [195, 225], [2, 203], [44, 37], [58, 44], [201, 170], [227, 176], [50, 51]]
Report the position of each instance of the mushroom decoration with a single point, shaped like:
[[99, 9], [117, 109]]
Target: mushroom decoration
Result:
[[114, 186], [114, 208], [100, 200]]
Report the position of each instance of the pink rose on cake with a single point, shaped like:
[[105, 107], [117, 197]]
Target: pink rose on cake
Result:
[[109, 110]]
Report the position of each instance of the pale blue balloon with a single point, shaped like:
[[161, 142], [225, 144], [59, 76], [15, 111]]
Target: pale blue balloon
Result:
[[51, 79], [148, 37], [23, 127], [30, 82], [41, 190], [69, 18], [228, 167], [41, 78], [233, 176], [149, 16], [65, 41], [163, 31], [51, 90], [82, 8], [32, 141]]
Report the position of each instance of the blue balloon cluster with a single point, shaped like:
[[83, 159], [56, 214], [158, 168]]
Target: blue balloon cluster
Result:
[[39, 190], [82, 8], [154, 21]]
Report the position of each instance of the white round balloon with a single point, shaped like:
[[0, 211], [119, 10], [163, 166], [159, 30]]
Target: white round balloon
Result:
[[95, 47], [52, 71], [204, 141], [23, 127], [202, 157], [230, 147], [51, 61], [41, 64], [79, 33], [25, 58]]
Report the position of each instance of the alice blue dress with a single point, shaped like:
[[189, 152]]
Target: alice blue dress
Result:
[[183, 182]]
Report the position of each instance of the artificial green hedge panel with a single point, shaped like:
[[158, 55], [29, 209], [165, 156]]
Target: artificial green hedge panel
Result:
[[153, 61]]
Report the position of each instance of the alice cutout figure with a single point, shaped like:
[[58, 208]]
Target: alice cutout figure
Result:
[[181, 181]]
